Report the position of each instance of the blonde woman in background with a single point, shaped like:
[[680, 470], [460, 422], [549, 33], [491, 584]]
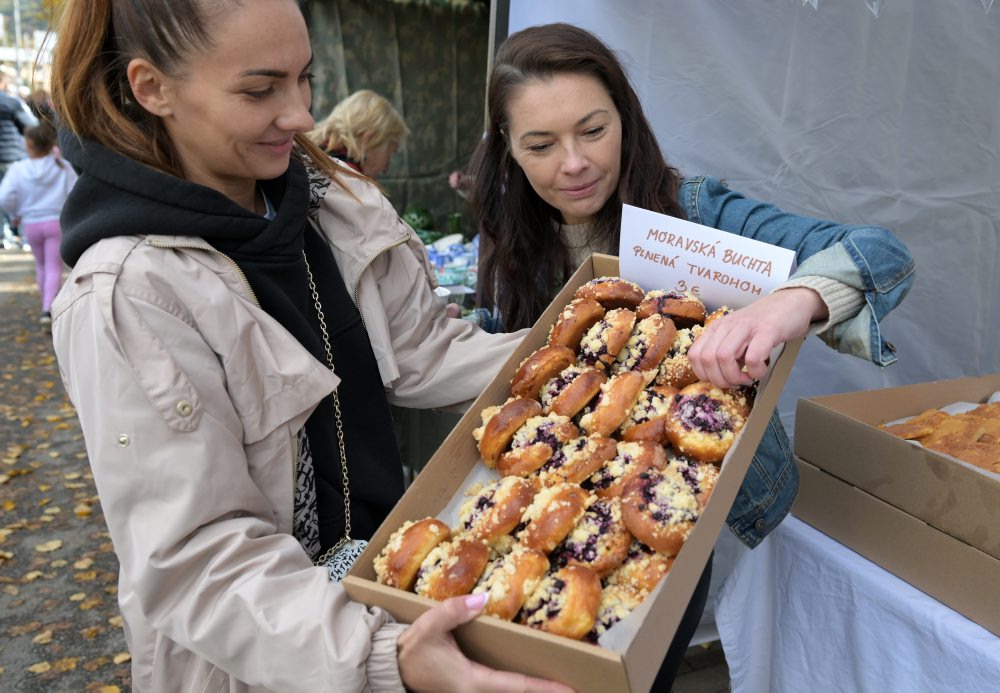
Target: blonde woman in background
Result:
[[364, 131]]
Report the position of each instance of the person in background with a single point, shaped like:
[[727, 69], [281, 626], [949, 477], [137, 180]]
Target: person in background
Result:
[[240, 310], [566, 144], [32, 193], [364, 131], [14, 118]]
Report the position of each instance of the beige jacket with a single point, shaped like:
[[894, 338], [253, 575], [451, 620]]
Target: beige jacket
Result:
[[190, 395]]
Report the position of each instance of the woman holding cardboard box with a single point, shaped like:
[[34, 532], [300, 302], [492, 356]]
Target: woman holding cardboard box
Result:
[[566, 144], [222, 265]]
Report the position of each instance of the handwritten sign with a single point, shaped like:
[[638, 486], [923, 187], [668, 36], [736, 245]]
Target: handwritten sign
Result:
[[723, 269]]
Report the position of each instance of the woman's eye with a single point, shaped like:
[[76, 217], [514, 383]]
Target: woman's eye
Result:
[[306, 77], [538, 148], [593, 132], [259, 93]]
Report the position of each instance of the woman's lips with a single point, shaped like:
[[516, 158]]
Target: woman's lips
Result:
[[279, 147], [580, 190]]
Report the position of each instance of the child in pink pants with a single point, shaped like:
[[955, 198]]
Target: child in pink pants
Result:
[[33, 191]]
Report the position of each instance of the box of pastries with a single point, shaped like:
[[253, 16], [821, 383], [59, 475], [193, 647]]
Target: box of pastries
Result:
[[908, 477], [583, 491]]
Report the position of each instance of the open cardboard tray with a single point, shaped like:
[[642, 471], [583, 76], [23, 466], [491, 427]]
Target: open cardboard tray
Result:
[[946, 568], [503, 645], [838, 434]]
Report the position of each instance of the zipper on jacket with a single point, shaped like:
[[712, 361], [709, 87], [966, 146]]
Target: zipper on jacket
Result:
[[253, 296], [357, 282]]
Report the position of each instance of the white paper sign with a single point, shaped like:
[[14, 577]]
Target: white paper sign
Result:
[[723, 269]]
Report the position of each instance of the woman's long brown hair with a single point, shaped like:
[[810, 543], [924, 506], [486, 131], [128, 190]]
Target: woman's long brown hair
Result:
[[90, 89], [525, 261]]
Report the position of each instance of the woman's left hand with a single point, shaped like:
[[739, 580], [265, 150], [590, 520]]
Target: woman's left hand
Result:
[[734, 349]]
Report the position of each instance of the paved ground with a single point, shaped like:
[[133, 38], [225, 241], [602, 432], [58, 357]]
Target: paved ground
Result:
[[60, 627], [60, 630]]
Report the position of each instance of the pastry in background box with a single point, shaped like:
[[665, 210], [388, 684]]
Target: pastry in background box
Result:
[[642, 568], [660, 510], [631, 458], [452, 568], [496, 509], [617, 602], [575, 461], [535, 443], [599, 540], [703, 422], [552, 515], [716, 314], [565, 602], [685, 309], [647, 420], [398, 563], [500, 423], [700, 477], [675, 369], [511, 579], [602, 342], [647, 346], [613, 404], [611, 292], [571, 390], [541, 366], [574, 321]]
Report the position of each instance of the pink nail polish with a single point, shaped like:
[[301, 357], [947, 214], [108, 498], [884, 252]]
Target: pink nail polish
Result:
[[476, 601]]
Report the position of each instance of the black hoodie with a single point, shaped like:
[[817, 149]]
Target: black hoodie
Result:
[[117, 196]]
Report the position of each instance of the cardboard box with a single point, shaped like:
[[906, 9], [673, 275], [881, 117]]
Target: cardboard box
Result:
[[948, 569], [838, 434], [509, 646]]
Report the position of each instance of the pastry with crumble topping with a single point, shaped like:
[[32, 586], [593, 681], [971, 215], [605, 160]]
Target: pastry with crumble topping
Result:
[[399, 561], [552, 515], [602, 343], [684, 308], [574, 321], [535, 443], [500, 424], [647, 346], [565, 602], [599, 540], [571, 390], [660, 510], [511, 579], [539, 368], [452, 568], [496, 509], [612, 292], [630, 458], [703, 422]]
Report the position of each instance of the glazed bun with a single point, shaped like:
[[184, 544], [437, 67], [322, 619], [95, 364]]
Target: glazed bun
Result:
[[452, 568], [576, 318], [399, 561], [552, 515], [496, 509], [571, 390], [543, 365], [703, 422], [565, 602], [602, 343], [684, 308], [511, 581], [500, 424], [611, 292], [660, 510]]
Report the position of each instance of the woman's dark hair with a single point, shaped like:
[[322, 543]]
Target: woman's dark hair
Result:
[[524, 260], [90, 88]]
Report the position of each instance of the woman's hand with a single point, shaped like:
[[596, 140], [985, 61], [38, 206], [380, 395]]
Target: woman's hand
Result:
[[733, 350], [429, 658]]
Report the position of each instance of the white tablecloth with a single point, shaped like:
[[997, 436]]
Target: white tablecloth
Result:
[[802, 612]]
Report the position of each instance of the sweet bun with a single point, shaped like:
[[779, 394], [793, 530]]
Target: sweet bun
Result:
[[599, 540], [642, 569], [500, 424], [647, 419], [660, 510], [611, 292], [614, 403], [574, 321], [571, 390], [600, 346], [452, 568], [685, 309], [535, 443], [398, 563], [576, 461], [699, 476], [703, 422], [496, 509], [716, 314], [565, 602], [617, 602], [675, 369], [649, 343], [512, 579], [552, 515], [631, 458], [538, 368]]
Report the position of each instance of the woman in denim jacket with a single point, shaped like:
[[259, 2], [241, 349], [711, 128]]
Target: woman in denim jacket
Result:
[[566, 144]]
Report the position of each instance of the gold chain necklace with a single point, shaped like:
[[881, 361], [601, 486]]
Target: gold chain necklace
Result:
[[336, 413]]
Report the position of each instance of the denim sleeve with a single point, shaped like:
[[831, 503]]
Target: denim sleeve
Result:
[[868, 258]]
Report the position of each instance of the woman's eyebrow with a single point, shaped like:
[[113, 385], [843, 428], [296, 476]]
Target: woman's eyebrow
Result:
[[544, 133], [277, 74]]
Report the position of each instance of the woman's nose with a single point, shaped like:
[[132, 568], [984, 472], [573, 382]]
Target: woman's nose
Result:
[[574, 161], [296, 117]]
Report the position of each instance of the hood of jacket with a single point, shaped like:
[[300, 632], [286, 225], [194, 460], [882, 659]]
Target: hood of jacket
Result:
[[44, 172], [146, 201]]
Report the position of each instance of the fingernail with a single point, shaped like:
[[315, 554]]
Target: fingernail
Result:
[[476, 601]]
